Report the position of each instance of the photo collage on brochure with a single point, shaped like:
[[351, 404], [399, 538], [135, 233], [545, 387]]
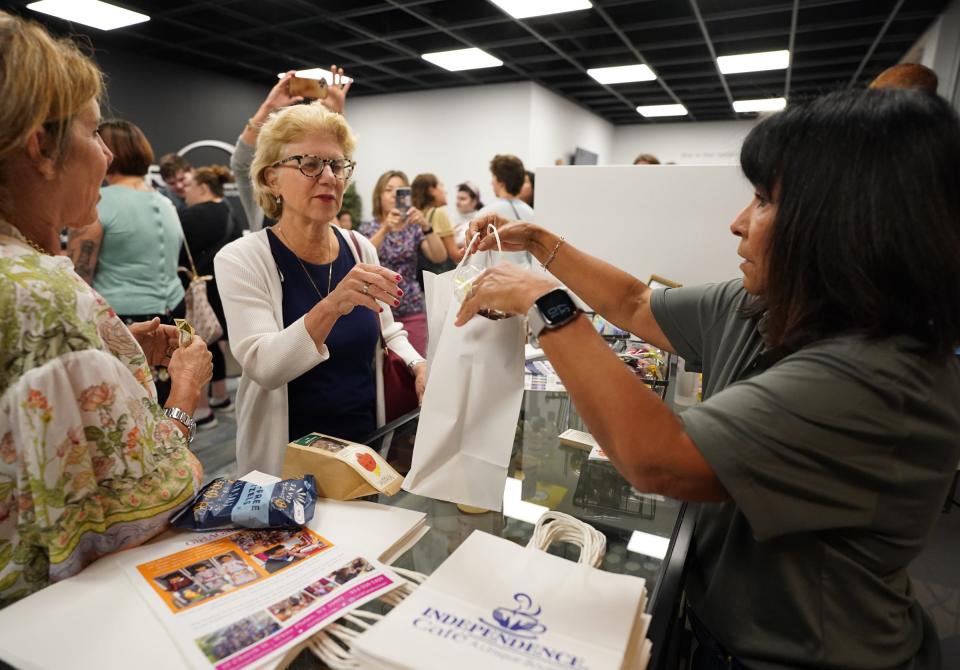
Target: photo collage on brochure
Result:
[[240, 598]]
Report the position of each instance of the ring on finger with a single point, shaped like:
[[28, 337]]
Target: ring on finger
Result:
[[366, 288]]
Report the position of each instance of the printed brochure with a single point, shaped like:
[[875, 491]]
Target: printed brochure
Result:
[[237, 599]]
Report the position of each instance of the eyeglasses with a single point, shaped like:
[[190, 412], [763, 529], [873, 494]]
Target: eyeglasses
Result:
[[313, 166]]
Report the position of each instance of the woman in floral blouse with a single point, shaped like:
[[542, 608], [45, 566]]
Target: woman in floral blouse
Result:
[[89, 462], [397, 240]]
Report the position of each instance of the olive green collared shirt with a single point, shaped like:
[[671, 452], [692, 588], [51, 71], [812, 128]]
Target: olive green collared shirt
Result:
[[838, 458]]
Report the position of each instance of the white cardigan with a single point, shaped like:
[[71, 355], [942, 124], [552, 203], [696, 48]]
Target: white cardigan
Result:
[[271, 355]]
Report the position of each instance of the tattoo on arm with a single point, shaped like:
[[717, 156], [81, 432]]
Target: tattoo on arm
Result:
[[83, 249], [84, 266]]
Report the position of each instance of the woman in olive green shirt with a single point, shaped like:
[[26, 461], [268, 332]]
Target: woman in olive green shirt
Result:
[[828, 434]]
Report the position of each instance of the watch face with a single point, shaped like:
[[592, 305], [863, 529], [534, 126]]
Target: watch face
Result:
[[556, 307]]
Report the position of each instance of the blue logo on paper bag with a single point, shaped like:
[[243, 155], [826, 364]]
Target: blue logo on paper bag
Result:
[[520, 621]]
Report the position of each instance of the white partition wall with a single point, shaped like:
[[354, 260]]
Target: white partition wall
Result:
[[669, 220]]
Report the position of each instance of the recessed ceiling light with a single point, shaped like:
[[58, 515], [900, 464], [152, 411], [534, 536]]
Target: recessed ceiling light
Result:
[[316, 73], [92, 13], [762, 105], [755, 62], [621, 74], [524, 9], [651, 111], [462, 59]]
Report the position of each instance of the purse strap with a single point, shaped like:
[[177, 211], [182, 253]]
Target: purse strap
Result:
[[193, 266], [231, 224]]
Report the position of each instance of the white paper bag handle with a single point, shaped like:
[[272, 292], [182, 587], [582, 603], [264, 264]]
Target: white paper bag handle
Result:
[[490, 229], [559, 527]]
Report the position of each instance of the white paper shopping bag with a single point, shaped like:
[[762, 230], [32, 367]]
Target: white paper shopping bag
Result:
[[494, 604], [472, 403]]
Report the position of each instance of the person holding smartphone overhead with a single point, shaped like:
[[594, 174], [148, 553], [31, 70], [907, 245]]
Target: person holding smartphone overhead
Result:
[[398, 230], [280, 96]]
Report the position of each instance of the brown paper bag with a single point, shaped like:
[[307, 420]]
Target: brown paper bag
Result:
[[343, 470]]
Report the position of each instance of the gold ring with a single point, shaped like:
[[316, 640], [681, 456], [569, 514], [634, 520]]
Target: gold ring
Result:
[[366, 288]]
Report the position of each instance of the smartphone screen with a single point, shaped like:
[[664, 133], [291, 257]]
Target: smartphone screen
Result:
[[403, 200]]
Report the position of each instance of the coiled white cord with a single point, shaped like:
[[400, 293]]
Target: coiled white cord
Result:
[[559, 527]]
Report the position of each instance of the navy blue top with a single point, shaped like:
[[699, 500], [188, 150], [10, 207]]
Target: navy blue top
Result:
[[339, 396]]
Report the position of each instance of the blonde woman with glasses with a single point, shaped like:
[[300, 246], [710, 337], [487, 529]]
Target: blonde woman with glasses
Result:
[[306, 303]]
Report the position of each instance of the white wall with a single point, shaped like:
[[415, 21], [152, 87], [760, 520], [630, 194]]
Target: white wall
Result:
[[699, 143], [941, 52], [452, 133], [669, 220], [558, 127]]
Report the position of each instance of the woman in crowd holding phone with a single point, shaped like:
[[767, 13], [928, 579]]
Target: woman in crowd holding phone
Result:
[[398, 230], [828, 433], [306, 301], [90, 463]]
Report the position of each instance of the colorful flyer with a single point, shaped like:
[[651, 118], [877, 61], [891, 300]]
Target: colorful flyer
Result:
[[238, 599]]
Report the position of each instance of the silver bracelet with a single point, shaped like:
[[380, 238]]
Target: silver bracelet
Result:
[[416, 362], [553, 254]]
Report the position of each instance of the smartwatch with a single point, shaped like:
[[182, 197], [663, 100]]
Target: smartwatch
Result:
[[178, 414], [551, 310]]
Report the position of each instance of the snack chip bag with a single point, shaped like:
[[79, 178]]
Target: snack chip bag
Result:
[[229, 503]]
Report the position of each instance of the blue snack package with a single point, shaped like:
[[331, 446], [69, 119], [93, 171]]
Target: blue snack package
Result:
[[232, 503]]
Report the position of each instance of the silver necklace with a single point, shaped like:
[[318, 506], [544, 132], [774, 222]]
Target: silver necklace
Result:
[[307, 272]]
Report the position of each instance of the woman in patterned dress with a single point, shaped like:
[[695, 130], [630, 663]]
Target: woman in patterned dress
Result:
[[397, 239], [89, 462]]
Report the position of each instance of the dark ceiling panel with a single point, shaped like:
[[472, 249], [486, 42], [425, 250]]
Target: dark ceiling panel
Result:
[[379, 42]]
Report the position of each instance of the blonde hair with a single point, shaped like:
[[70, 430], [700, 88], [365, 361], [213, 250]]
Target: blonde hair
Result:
[[290, 125], [45, 83]]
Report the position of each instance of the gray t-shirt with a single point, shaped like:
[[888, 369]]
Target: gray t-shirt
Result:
[[838, 458]]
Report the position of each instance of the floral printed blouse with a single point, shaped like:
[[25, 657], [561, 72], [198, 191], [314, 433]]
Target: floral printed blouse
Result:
[[399, 253], [89, 464]]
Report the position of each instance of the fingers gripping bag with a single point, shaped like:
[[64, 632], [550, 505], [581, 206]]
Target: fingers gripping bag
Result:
[[231, 503]]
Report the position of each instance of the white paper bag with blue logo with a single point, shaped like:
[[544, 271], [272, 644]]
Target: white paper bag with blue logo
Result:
[[495, 604], [472, 403]]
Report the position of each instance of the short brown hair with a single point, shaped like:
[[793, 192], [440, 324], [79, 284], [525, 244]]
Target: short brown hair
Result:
[[45, 83], [213, 177], [907, 75], [509, 171], [646, 159], [420, 190], [381, 185], [132, 153], [171, 164]]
